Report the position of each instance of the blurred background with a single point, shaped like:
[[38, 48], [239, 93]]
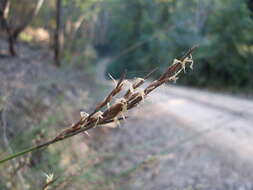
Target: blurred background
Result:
[[55, 56]]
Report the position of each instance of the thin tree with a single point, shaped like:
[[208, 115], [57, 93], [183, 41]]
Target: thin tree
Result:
[[250, 5], [4, 9], [13, 32], [57, 44]]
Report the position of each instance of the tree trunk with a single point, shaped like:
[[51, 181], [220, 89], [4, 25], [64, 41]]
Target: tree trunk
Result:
[[3, 13], [250, 5], [12, 42], [4, 7], [13, 33], [57, 44]]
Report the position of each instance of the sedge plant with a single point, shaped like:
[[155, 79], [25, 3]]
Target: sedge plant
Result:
[[110, 110]]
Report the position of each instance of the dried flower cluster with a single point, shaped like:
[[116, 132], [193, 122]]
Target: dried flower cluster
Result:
[[133, 96]]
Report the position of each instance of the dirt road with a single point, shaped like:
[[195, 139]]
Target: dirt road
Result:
[[228, 120], [199, 139]]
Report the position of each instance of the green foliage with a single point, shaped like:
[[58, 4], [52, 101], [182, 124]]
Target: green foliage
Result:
[[156, 32], [222, 57], [144, 34]]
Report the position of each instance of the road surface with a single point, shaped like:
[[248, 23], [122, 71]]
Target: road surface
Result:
[[215, 130]]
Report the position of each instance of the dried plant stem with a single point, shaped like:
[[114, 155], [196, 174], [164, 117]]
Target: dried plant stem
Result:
[[7, 144], [116, 111], [38, 147]]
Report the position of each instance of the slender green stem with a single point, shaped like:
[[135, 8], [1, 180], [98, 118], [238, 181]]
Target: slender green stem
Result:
[[34, 148], [31, 149], [19, 154]]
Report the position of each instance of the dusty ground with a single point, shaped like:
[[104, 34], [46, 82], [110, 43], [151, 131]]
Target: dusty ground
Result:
[[183, 138], [37, 100]]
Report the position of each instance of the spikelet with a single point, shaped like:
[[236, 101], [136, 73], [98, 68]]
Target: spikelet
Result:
[[97, 116], [175, 77], [83, 115], [123, 111], [49, 180], [114, 81], [129, 85], [141, 93], [86, 132], [183, 63], [108, 105], [190, 60], [116, 121], [138, 80]]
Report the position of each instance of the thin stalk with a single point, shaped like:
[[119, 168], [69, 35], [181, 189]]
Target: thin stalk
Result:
[[31, 149], [46, 144]]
